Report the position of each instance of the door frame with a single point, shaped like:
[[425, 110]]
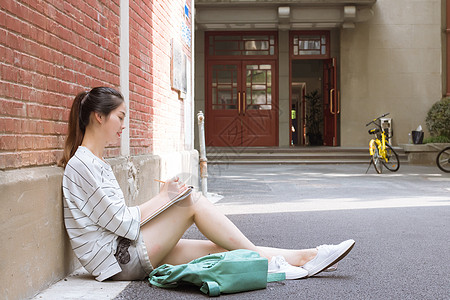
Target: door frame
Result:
[[324, 57], [242, 59]]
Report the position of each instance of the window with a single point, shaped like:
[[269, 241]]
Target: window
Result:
[[241, 44], [259, 86], [224, 87], [310, 44]]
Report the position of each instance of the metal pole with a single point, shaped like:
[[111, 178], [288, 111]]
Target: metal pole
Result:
[[203, 160]]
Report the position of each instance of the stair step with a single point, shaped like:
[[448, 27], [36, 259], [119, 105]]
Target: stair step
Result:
[[292, 155], [287, 155], [299, 162]]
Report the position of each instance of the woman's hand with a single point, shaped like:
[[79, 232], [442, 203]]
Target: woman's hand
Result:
[[173, 187]]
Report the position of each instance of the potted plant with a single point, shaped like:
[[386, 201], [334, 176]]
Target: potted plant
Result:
[[314, 118], [438, 122]]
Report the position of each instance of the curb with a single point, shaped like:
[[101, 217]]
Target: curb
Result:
[[81, 285]]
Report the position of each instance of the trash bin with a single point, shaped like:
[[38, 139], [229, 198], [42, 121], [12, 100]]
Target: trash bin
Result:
[[417, 137]]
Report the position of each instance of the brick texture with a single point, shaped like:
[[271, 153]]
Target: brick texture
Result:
[[168, 109], [51, 50], [141, 91], [156, 112]]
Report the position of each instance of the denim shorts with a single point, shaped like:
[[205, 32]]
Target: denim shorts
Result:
[[133, 259]]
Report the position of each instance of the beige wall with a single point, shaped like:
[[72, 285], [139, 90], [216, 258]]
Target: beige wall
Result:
[[33, 244], [392, 63]]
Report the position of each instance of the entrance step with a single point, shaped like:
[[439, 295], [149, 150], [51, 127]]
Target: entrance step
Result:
[[292, 155]]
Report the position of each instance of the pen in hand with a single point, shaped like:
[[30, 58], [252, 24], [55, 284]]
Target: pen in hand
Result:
[[165, 182]]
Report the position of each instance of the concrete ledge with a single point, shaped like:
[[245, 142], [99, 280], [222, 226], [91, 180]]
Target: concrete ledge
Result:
[[34, 248], [423, 154], [35, 251], [135, 174]]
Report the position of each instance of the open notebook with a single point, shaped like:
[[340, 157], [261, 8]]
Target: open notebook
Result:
[[166, 205]]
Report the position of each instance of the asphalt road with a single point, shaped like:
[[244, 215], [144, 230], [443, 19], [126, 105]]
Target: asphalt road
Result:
[[400, 222]]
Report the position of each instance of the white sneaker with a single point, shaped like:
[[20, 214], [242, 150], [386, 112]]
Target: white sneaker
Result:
[[279, 265], [328, 255], [332, 268]]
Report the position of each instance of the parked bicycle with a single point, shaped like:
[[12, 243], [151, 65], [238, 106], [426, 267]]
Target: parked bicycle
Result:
[[443, 160], [380, 150]]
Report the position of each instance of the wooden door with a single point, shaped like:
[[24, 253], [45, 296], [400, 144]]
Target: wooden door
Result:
[[260, 113], [241, 104], [331, 105], [223, 104]]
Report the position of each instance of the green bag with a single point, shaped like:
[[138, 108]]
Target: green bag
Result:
[[226, 272]]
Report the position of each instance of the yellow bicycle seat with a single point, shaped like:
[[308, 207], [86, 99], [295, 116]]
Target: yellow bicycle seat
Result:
[[374, 130]]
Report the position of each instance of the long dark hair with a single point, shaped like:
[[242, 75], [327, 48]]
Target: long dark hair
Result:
[[102, 100]]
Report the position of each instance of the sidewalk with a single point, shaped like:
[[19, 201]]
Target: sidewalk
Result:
[[81, 285], [399, 221]]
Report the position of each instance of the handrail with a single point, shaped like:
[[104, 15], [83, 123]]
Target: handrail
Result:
[[331, 102], [244, 103], [239, 103], [203, 159]]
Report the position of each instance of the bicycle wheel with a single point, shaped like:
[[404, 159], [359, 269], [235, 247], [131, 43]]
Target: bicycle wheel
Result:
[[443, 160], [392, 163], [376, 160]]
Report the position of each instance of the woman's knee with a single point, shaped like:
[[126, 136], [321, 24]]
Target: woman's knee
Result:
[[200, 202], [193, 200]]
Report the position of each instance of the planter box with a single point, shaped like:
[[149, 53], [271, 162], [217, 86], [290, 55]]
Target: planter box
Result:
[[423, 154]]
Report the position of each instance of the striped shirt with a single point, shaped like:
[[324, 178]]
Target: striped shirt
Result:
[[95, 213]]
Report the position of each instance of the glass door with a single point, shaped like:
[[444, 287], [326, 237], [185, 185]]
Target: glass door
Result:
[[224, 104], [241, 104], [260, 118]]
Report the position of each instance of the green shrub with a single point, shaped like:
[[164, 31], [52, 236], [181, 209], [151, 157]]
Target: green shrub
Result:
[[438, 118], [436, 139]]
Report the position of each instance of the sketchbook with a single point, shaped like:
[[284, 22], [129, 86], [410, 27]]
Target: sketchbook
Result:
[[169, 203]]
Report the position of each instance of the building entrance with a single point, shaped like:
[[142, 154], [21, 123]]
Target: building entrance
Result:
[[242, 103], [315, 103], [241, 91]]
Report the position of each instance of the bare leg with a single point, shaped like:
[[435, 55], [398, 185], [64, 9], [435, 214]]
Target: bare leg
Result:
[[162, 235], [187, 250], [293, 256]]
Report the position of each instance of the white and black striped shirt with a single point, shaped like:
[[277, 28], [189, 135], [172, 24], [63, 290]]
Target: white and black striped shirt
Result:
[[95, 213]]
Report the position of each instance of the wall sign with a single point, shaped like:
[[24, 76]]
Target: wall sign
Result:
[[178, 68]]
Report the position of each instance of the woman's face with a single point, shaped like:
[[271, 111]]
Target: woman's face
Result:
[[113, 125]]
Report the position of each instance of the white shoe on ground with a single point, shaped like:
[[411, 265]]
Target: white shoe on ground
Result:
[[327, 256], [279, 265]]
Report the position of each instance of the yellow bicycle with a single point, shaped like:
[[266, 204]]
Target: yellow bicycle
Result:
[[380, 151]]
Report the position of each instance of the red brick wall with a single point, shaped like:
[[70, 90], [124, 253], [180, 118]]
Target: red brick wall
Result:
[[49, 51], [141, 92], [156, 112], [168, 134]]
